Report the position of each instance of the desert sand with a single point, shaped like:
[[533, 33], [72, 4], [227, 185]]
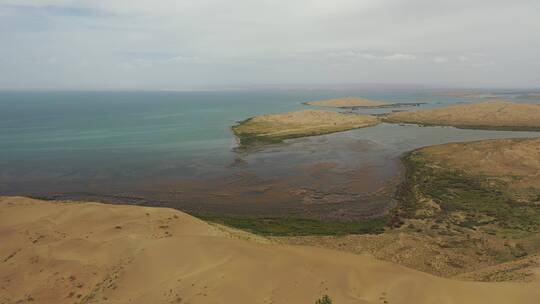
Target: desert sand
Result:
[[277, 127], [491, 114], [348, 102], [67, 252]]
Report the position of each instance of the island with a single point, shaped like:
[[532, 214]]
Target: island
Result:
[[357, 103], [274, 128], [495, 114]]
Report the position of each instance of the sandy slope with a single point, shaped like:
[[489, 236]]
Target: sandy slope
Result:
[[488, 114], [347, 102], [94, 253]]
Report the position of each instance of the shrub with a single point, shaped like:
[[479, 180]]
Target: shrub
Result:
[[324, 300]]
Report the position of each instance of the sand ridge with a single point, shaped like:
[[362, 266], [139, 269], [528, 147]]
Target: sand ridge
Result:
[[67, 252]]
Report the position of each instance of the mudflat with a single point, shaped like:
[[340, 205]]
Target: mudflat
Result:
[[69, 252], [491, 114], [274, 128]]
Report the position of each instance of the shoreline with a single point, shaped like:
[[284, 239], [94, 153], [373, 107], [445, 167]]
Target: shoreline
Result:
[[384, 106], [385, 119]]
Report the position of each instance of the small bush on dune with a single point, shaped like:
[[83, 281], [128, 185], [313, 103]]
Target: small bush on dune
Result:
[[324, 300]]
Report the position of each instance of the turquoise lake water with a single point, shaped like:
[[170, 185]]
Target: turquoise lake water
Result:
[[176, 148]]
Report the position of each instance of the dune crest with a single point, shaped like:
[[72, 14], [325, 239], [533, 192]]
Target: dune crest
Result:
[[66, 252]]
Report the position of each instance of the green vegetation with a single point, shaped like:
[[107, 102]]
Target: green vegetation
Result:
[[480, 200], [290, 226], [324, 300], [44, 198], [252, 139], [249, 139]]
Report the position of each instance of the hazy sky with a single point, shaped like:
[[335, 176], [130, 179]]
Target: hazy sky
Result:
[[166, 44]]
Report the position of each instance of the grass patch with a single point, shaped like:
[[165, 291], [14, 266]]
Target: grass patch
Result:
[[45, 197], [249, 139], [291, 226]]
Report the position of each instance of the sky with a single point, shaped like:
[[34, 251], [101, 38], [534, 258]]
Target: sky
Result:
[[174, 45]]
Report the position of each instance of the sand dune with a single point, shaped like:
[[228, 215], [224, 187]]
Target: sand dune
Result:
[[54, 252], [492, 114]]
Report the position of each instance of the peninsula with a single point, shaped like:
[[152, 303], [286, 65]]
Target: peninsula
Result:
[[492, 114], [356, 102], [274, 128]]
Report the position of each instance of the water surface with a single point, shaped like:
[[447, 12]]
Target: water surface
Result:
[[176, 149]]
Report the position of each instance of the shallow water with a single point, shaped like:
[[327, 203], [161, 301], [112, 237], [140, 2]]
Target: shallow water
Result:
[[176, 149]]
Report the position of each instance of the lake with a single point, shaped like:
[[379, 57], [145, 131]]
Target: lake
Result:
[[176, 149]]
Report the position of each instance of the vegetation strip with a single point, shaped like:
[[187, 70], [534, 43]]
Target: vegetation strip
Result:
[[294, 226]]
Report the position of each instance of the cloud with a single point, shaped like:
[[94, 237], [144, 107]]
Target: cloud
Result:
[[52, 10], [196, 43], [400, 57], [440, 59], [380, 56]]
